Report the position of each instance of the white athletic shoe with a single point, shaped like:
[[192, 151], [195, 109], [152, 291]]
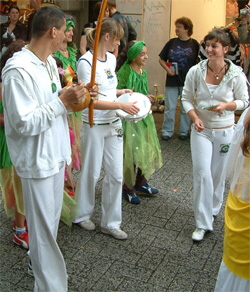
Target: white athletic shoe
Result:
[[87, 225], [198, 234], [116, 233]]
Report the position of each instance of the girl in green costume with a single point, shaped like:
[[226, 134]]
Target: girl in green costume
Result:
[[68, 50], [10, 183], [67, 55], [142, 152]]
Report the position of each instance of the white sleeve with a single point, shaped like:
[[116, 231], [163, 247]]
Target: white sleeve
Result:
[[189, 90], [25, 111], [241, 92], [84, 70]]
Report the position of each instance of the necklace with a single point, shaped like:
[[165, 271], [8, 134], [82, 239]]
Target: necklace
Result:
[[50, 72], [53, 85], [64, 51], [139, 71], [216, 75]]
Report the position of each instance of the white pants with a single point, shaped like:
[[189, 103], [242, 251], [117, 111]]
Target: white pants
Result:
[[209, 150], [229, 282], [102, 143], [43, 204]]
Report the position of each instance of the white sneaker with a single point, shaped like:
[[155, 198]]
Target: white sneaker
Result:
[[87, 225], [198, 234], [116, 233]]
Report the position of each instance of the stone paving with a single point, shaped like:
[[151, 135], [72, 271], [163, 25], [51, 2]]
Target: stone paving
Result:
[[159, 254]]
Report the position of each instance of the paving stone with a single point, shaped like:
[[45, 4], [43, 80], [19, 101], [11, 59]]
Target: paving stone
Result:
[[159, 254]]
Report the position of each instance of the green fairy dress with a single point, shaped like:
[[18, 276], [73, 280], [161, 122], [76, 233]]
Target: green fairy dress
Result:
[[141, 144], [67, 61]]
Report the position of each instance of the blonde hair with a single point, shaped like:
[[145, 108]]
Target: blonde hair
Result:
[[110, 26]]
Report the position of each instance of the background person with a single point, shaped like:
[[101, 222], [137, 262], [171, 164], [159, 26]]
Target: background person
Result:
[[68, 50], [129, 32], [10, 182], [103, 143], [96, 10], [13, 29], [183, 51], [67, 54], [234, 273], [38, 141], [142, 152], [213, 82]]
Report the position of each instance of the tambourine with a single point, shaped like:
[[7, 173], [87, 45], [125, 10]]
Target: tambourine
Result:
[[143, 103]]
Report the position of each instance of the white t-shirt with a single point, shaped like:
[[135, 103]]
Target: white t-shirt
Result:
[[107, 83]]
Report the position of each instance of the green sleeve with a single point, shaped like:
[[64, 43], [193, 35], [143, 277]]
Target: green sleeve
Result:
[[123, 76]]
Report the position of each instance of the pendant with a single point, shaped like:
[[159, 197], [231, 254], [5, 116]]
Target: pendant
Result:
[[216, 76], [53, 87]]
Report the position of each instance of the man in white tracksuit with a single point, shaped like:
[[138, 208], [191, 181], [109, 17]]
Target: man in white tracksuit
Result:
[[38, 141]]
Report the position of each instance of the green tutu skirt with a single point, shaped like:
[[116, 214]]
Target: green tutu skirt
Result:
[[68, 209], [141, 149]]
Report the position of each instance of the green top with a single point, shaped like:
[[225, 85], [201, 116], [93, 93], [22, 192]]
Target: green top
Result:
[[129, 78], [4, 153], [68, 61]]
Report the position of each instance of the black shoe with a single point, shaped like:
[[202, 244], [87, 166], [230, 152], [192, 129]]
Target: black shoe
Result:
[[184, 137], [166, 138]]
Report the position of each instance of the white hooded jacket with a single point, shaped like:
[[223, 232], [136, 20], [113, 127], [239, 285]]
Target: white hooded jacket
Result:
[[36, 126], [196, 94]]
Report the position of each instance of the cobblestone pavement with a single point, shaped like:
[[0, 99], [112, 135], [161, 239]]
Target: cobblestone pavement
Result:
[[159, 254]]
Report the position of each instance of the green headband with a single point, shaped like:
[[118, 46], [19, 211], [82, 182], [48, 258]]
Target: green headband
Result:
[[135, 50], [69, 23]]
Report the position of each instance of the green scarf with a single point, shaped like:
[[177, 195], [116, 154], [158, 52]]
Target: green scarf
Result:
[[135, 50], [69, 23]]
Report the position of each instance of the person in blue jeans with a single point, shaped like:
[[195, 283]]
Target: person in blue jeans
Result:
[[177, 57]]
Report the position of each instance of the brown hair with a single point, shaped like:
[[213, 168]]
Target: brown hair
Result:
[[11, 50], [122, 57], [187, 23], [110, 26], [220, 35], [46, 18], [111, 4], [14, 7]]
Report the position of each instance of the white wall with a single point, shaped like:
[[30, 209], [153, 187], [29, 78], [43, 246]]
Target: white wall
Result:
[[205, 14], [156, 32]]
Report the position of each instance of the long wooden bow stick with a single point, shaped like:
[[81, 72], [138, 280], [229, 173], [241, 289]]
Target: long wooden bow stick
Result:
[[95, 51]]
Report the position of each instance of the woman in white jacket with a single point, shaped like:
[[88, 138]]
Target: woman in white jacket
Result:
[[213, 90]]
